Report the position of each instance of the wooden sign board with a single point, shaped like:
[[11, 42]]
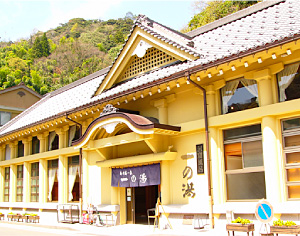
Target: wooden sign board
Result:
[[200, 159]]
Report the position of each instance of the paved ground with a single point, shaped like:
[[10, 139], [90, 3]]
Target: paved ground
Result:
[[29, 229]]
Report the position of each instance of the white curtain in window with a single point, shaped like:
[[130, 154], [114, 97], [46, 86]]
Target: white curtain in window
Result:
[[285, 78], [7, 152], [251, 86], [51, 139], [52, 173], [227, 92], [72, 132], [72, 177]]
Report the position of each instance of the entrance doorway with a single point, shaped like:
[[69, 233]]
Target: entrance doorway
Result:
[[138, 201]]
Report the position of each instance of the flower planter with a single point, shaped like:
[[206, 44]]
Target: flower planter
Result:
[[24, 218], [1, 216], [34, 219], [16, 217], [9, 216], [240, 227], [294, 229]]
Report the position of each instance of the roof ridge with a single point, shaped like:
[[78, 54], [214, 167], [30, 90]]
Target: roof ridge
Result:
[[233, 17], [80, 81]]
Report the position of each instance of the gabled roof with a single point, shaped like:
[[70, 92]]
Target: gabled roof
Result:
[[21, 86], [156, 35], [259, 30]]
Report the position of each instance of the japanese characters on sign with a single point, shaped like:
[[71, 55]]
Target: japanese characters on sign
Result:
[[136, 176], [200, 159], [188, 188]]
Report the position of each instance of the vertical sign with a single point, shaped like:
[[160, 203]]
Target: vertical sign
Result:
[[200, 159]]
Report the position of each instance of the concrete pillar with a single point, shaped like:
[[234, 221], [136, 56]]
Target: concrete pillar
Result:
[[165, 182], [43, 141], [2, 153], [271, 160], [26, 147], [63, 189], [61, 138], [114, 196], [43, 183], [216, 168], [26, 181], [13, 150], [13, 183], [29, 145], [2, 183], [265, 94], [211, 103], [162, 107], [85, 178]]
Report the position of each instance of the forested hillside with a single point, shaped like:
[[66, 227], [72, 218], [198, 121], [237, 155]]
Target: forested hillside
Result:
[[52, 59]]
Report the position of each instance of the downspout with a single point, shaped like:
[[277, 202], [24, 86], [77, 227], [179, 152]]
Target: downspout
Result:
[[80, 169], [211, 219]]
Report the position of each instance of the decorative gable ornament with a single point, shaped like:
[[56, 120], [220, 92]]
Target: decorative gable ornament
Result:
[[108, 109], [110, 127], [141, 49]]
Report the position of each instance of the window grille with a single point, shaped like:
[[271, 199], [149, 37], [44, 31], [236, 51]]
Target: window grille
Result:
[[153, 58]]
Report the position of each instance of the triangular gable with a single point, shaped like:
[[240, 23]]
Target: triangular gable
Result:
[[149, 46]]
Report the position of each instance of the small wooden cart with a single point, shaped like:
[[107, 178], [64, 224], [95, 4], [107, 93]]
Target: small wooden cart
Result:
[[240, 227]]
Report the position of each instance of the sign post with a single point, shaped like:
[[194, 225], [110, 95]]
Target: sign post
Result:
[[264, 213]]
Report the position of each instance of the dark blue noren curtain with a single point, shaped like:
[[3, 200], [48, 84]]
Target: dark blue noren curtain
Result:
[[136, 176]]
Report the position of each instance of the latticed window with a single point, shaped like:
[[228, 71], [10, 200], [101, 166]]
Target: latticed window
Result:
[[35, 145], [153, 58], [20, 149], [34, 182], [6, 184], [20, 183], [291, 150]]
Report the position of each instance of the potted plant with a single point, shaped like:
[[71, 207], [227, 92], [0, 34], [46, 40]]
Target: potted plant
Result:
[[10, 216], [34, 218], [242, 225], [288, 227], [24, 217], [16, 217], [1, 216]]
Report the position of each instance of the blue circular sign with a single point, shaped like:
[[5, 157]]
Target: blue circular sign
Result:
[[264, 211]]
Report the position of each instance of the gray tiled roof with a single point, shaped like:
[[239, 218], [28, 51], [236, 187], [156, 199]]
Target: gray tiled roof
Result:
[[254, 30]]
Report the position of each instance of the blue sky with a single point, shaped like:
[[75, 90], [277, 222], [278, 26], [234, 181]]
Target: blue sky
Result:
[[19, 19]]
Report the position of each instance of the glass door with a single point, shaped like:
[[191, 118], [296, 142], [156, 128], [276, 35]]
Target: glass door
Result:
[[130, 206]]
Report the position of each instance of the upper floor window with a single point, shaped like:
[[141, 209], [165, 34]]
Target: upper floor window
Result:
[[289, 82], [7, 152], [20, 149], [238, 95], [53, 180], [53, 141], [4, 117], [35, 145], [74, 134]]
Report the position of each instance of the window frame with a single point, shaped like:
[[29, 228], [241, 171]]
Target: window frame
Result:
[[240, 82], [6, 184], [36, 178], [287, 150], [243, 170], [20, 173]]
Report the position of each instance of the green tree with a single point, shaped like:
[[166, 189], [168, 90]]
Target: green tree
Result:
[[45, 45], [214, 10], [37, 48]]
